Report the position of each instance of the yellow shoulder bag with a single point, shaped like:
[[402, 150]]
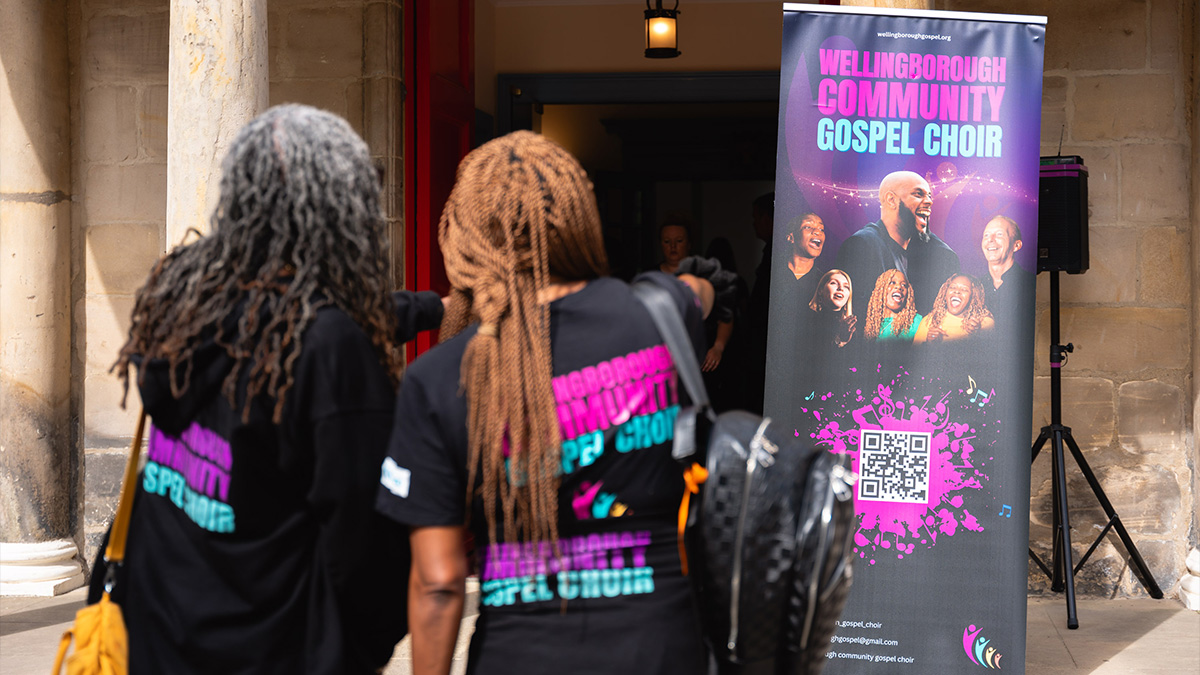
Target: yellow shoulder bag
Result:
[[101, 645]]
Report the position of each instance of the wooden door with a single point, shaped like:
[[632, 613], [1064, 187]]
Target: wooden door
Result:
[[439, 112]]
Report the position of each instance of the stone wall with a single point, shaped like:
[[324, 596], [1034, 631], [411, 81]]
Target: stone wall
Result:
[[340, 55], [345, 56], [1118, 81], [119, 129], [1194, 127]]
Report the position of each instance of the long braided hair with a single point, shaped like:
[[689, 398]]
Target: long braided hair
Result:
[[297, 226], [522, 213], [976, 308], [877, 305]]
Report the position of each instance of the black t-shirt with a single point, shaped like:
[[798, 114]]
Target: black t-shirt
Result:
[[616, 601], [254, 547], [1014, 294], [871, 251]]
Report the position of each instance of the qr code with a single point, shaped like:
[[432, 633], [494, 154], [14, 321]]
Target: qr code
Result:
[[893, 466]]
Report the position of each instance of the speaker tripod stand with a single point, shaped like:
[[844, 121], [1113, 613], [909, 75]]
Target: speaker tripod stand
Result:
[[1060, 571]]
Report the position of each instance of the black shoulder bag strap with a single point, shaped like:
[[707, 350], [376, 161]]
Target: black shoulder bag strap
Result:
[[670, 325]]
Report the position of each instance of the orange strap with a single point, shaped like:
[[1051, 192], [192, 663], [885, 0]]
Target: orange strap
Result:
[[63, 645], [693, 478], [115, 552]]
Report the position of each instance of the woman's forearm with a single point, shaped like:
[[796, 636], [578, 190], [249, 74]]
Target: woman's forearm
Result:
[[724, 332], [433, 620], [436, 591]]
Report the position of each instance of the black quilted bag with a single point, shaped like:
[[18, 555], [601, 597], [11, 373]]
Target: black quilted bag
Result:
[[768, 537]]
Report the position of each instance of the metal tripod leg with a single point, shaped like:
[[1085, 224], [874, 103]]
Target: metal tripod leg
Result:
[[1060, 571], [1114, 521], [1064, 571]]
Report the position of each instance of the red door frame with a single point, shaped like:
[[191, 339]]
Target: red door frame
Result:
[[435, 102]]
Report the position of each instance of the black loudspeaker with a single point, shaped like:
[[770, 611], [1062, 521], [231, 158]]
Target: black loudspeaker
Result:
[[1063, 215]]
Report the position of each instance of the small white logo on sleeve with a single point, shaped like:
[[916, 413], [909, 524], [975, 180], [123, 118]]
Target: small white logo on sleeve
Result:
[[395, 478]]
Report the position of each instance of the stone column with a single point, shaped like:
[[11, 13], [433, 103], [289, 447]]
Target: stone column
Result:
[[383, 114], [218, 82], [1189, 38], [39, 470]]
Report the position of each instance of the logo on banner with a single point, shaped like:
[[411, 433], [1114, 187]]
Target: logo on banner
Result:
[[978, 650]]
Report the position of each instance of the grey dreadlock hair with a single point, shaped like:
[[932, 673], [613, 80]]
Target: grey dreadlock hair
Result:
[[297, 227]]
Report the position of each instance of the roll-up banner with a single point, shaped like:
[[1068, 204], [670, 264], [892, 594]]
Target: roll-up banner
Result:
[[902, 313]]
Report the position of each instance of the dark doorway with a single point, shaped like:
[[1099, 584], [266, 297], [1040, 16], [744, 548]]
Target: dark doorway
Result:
[[696, 146]]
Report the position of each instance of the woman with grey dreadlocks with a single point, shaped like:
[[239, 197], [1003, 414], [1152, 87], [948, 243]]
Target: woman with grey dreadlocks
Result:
[[267, 355], [543, 423]]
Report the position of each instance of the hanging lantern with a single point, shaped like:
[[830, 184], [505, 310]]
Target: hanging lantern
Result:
[[662, 36]]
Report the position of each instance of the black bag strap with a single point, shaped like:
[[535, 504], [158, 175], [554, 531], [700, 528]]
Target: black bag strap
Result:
[[670, 325]]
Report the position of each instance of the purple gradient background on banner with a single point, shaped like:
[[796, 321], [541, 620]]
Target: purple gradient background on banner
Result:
[[968, 191]]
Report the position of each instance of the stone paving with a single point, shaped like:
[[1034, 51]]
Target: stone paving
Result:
[[1115, 637]]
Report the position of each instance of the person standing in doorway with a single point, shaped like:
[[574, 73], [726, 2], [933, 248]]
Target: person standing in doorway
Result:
[[674, 236], [724, 336], [758, 310]]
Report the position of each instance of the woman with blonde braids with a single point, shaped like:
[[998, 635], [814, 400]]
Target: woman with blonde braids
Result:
[[543, 423], [891, 312], [958, 312]]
